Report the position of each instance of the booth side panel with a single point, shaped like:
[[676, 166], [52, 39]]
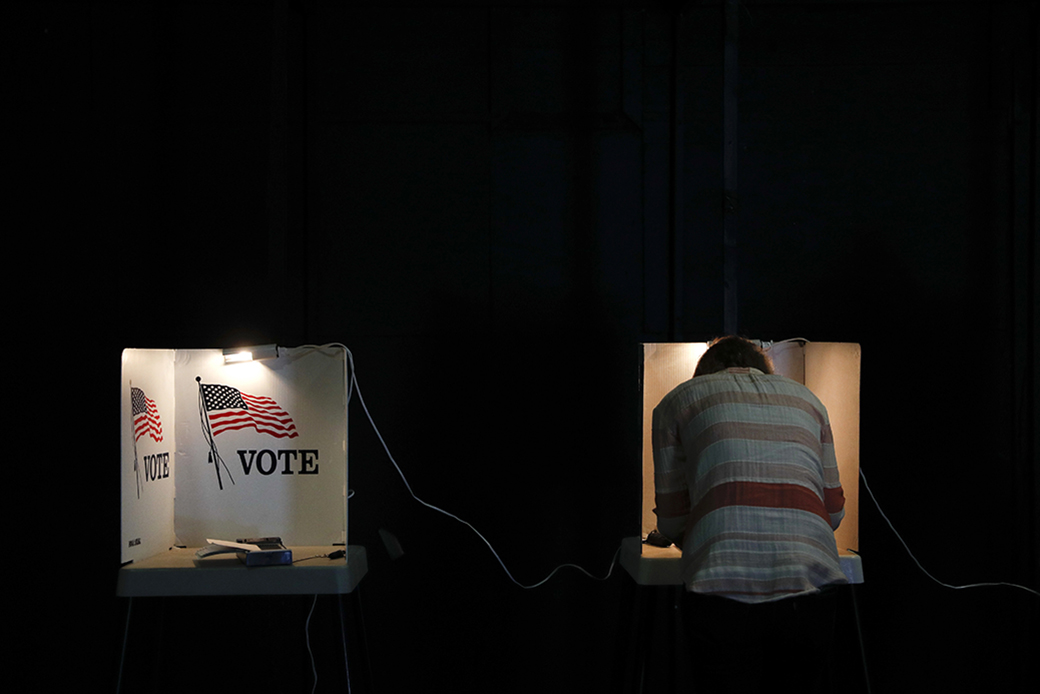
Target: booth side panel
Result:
[[147, 460]]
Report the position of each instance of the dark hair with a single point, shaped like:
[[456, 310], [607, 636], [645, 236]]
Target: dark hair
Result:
[[727, 352]]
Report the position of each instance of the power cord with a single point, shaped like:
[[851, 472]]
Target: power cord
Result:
[[307, 633], [923, 570], [338, 554], [353, 387]]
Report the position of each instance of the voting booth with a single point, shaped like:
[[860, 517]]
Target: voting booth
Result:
[[229, 446], [217, 446], [831, 370]]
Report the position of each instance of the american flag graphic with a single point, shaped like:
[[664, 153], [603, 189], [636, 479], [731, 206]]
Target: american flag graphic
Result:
[[145, 415], [230, 409]]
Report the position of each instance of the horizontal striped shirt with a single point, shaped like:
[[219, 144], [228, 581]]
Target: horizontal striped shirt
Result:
[[745, 473]]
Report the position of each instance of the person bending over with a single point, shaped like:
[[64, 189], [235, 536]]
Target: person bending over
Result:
[[747, 486]]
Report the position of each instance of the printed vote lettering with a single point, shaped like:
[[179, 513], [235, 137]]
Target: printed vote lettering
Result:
[[267, 462], [156, 466]]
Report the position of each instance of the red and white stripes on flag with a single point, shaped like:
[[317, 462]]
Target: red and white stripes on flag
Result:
[[145, 414], [230, 409]]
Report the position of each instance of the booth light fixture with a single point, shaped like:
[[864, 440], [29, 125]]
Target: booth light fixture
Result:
[[240, 354]]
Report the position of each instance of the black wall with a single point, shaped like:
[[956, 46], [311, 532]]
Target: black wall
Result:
[[492, 204]]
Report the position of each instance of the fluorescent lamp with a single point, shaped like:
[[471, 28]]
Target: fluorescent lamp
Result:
[[240, 354]]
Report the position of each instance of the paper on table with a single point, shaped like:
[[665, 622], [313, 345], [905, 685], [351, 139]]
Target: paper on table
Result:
[[221, 546]]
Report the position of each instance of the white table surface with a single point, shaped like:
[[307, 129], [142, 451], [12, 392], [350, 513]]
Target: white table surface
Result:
[[175, 573], [659, 566]]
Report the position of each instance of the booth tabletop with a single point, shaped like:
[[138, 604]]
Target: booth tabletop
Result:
[[659, 566], [174, 573]]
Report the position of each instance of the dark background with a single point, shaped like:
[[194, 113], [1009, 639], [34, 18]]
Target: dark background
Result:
[[492, 204]]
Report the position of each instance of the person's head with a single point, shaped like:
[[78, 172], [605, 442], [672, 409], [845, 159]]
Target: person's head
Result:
[[727, 352]]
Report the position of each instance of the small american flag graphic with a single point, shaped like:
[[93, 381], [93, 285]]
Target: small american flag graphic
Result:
[[145, 415], [229, 409]]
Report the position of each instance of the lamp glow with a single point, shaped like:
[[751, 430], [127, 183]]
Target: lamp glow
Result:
[[242, 354]]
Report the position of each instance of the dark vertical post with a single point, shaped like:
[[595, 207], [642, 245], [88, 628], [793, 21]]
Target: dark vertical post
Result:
[[675, 198], [655, 117], [286, 167], [1019, 41], [731, 78]]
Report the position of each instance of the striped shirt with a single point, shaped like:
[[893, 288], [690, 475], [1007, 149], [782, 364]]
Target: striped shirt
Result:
[[745, 475]]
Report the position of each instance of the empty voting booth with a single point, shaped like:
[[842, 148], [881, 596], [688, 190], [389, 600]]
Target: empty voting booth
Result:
[[220, 445]]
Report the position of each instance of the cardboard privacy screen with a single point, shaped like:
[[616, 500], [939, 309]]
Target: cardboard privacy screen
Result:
[[215, 450]]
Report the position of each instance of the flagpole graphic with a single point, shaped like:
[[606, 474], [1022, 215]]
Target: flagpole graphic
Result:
[[214, 454], [133, 423]]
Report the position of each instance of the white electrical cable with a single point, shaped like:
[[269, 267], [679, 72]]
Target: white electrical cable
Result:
[[923, 570], [900, 537], [307, 632], [386, 448], [352, 387]]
